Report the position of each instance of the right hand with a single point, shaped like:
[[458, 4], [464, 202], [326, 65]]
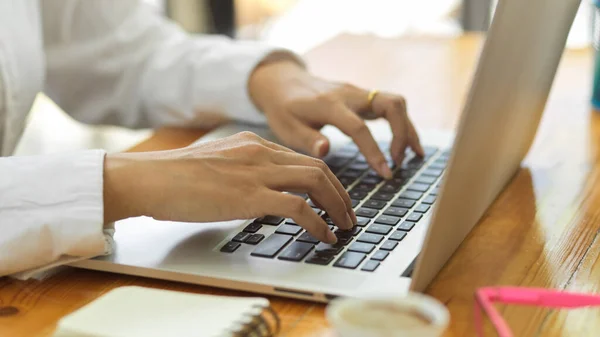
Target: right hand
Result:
[[238, 177]]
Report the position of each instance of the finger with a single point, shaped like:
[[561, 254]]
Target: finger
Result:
[[395, 113], [314, 201], [306, 139], [298, 159], [413, 140], [313, 181], [291, 206], [353, 126]]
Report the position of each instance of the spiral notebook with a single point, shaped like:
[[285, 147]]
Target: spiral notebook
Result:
[[136, 311]]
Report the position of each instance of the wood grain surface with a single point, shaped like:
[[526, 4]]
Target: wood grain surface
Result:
[[542, 230]]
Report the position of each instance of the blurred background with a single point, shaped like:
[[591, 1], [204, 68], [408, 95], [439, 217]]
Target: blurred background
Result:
[[295, 24]]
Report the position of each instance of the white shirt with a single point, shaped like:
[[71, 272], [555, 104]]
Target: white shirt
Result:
[[104, 62]]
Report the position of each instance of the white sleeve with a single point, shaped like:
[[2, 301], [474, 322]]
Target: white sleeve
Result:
[[120, 62], [51, 211]]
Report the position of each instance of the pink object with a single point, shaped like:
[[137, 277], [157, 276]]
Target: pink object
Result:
[[486, 297]]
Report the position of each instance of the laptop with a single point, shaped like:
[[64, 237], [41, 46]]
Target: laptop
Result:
[[408, 226]]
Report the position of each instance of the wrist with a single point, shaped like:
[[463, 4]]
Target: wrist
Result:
[[119, 188], [270, 83]]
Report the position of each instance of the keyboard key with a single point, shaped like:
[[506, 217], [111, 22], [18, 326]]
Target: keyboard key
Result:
[[432, 173], [230, 247], [291, 222], [354, 202], [328, 249], [371, 265], [362, 222], [422, 208], [389, 245], [396, 211], [344, 237], [371, 180], [252, 228], [351, 232], [405, 173], [429, 200], [390, 188], [418, 187], [241, 237], [406, 203], [376, 204], [372, 173], [359, 166], [380, 255], [361, 247], [358, 195], [271, 245], [254, 239], [311, 204], [350, 173], [346, 181], [315, 258], [414, 217], [366, 212], [296, 251], [370, 238], [430, 150], [316, 210], [270, 220], [337, 161], [327, 219], [438, 166], [426, 180], [441, 160], [411, 195], [364, 187], [398, 181], [379, 229], [398, 235], [435, 191], [406, 226], [288, 229], [307, 237], [350, 260], [382, 196], [388, 220], [414, 163]]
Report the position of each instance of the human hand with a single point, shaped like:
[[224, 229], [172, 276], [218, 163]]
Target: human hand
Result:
[[238, 177], [298, 104]]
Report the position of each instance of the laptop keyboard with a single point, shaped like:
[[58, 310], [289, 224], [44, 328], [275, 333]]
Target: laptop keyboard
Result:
[[387, 210]]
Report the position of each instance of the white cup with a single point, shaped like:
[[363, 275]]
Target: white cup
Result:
[[411, 315]]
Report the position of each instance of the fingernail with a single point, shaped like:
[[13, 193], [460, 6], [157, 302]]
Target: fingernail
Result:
[[385, 171], [349, 222], [318, 148], [331, 238]]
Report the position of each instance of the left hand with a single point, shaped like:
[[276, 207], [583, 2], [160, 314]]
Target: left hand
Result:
[[298, 104]]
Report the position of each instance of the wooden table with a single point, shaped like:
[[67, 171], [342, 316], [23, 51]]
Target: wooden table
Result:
[[542, 231]]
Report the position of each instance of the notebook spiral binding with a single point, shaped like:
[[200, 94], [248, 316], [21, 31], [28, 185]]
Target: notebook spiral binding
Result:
[[259, 325]]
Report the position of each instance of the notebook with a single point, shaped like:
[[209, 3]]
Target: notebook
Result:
[[136, 311]]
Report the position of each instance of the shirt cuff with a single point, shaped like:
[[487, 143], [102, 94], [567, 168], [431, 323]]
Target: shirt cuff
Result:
[[53, 211]]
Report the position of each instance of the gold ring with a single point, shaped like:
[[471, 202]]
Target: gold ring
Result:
[[372, 95]]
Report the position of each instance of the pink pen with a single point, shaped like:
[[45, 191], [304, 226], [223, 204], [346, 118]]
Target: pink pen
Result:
[[486, 297]]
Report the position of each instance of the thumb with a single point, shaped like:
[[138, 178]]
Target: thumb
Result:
[[308, 140]]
